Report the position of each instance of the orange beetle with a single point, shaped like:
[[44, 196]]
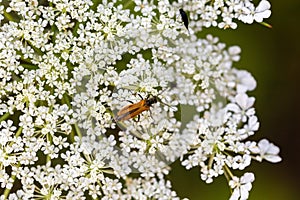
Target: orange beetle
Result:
[[134, 109]]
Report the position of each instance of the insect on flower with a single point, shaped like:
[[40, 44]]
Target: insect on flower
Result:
[[184, 18], [134, 109]]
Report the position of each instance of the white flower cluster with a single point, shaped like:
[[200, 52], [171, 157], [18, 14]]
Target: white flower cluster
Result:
[[67, 68], [224, 14]]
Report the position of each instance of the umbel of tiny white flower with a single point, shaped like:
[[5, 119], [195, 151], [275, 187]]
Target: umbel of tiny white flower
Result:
[[68, 67]]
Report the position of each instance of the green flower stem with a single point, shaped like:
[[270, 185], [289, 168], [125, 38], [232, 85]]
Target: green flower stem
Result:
[[70, 66], [27, 61], [19, 131], [128, 3], [228, 174], [38, 51], [76, 28], [29, 66], [4, 117], [7, 190], [211, 160], [50, 140], [66, 100], [9, 17], [266, 24], [77, 130]]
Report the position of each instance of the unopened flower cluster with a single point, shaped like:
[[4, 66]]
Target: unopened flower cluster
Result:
[[67, 67]]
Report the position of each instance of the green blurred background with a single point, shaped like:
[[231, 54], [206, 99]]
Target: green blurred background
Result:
[[273, 57]]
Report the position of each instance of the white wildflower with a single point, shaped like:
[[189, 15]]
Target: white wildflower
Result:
[[268, 151]]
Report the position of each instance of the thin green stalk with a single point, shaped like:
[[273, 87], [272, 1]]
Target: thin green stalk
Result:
[[211, 160], [4, 117], [128, 3], [9, 17], [227, 173], [7, 190], [66, 100], [70, 66], [77, 129], [38, 51], [76, 28], [50, 140], [29, 66], [266, 24], [19, 131]]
